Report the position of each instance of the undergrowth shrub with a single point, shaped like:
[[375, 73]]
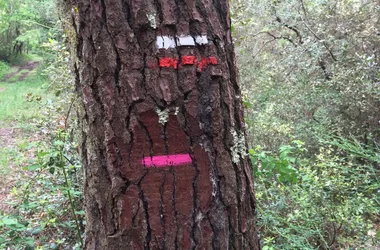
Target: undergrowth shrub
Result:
[[47, 207], [3, 69], [330, 201]]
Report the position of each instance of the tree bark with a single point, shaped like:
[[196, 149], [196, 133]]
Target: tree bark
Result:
[[161, 125]]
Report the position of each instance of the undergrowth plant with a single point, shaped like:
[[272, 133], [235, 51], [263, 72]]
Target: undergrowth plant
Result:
[[47, 203], [47, 208], [328, 202]]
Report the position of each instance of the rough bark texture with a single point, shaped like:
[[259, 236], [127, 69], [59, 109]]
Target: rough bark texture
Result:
[[140, 101]]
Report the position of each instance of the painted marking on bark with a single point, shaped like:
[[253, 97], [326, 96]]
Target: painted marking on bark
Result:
[[165, 42], [169, 42], [189, 60], [201, 40], [185, 41], [167, 62], [166, 160], [206, 61]]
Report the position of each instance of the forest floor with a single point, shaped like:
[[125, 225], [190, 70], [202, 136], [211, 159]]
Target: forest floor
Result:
[[34, 211], [17, 112]]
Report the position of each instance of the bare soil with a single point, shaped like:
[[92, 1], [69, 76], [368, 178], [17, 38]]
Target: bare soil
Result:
[[6, 139], [31, 65]]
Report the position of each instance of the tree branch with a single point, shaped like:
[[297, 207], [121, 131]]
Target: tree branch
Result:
[[298, 34]]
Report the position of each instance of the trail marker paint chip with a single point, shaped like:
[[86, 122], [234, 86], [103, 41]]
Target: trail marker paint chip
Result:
[[206, 61], [201, 40], [165, 42], [166, 160], [189, 60], [167, 62], [185, 41]]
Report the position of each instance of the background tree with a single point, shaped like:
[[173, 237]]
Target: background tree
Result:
[[310, 82], [314, 66], [161, 123], [24, 25]]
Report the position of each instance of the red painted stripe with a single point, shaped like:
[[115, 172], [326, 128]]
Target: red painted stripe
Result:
[[202, 64], [167, 62], [206, 61], [189, 60], [166, 160], [212, 60]]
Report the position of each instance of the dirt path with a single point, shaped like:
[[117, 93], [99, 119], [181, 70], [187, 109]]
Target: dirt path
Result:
[[29, 66], [6, 140]]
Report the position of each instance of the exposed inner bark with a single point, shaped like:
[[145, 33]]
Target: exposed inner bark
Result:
[[141, 101]]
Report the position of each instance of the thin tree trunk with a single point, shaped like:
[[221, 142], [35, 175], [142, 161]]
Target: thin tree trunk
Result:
[[162, 129]]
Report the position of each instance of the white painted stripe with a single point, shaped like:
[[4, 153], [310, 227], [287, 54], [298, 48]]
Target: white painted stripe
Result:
[[166, 42], [185, 41], [201, 40]]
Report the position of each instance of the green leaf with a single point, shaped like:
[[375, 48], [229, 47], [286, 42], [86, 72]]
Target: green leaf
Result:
[[9, 221], [26, 203], [51, 170], [32, 167], [29, 241], [42, 154], [53, 246], [80, 212], [36, 231]]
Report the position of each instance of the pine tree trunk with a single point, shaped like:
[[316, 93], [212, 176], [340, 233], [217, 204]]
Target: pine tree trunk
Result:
[[162, 130]]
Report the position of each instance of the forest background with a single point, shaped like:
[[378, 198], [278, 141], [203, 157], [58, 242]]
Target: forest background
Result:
[[310, 79]]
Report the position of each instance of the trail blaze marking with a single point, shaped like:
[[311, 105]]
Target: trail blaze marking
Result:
[[206, 61], [169, 42], [168, 62], [165, 42], [201, 40], [166, 160], [185, 41], [189, 60]]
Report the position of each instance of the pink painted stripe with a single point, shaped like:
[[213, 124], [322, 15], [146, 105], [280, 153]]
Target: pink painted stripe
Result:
[[166, 160]]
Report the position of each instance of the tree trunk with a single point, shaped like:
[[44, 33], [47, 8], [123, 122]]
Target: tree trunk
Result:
[[162, 130]]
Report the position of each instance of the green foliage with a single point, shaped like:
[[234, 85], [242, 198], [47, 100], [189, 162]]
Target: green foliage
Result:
[[47, 195], [309, 68], [24, 24], [330, 206], [282, 167], [3, 69], [47, 207], [13, 229]]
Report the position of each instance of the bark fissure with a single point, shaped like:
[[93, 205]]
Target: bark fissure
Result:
[[176, 243], [148, 235], [162, 215], [195, 200]]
